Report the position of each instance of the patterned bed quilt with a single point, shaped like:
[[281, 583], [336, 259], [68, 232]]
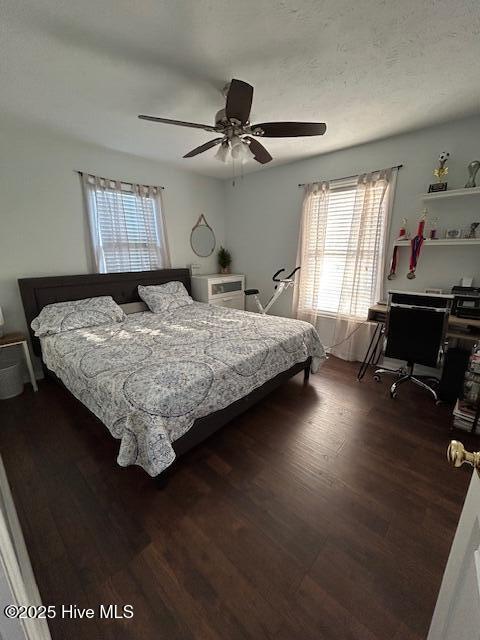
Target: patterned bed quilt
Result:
[[150, 377]]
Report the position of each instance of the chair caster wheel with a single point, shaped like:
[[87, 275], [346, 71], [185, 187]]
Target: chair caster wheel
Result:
[[393, 395], [377, 378], [437, 402]]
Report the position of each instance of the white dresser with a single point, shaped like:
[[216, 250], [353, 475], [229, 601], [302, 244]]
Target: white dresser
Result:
[[220, 289]]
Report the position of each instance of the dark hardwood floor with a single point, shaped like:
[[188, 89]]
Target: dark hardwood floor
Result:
[[325, 512]]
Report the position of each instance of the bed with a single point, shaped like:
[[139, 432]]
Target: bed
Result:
[[162, 383]]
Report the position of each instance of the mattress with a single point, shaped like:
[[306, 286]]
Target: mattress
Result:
[[150, 377]]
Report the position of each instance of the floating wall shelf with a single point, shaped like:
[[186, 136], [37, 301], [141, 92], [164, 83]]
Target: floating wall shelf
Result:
[[454, 193], [441, 242]]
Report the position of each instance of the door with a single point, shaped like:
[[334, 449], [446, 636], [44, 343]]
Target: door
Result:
[[17, 582], [457, 612]]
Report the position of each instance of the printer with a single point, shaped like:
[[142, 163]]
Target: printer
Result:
[[466, 302]]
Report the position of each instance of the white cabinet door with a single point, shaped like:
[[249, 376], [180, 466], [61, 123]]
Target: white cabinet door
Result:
[[17, 582], [457, 612]]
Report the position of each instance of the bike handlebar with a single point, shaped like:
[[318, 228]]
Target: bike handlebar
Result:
[[293, 272], [276, 279]]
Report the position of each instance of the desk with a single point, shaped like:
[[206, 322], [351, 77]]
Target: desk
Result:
[[460, 328]]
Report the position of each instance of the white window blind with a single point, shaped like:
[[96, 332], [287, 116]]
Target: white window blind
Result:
[[338, 222], [127, 226], [342, 247]]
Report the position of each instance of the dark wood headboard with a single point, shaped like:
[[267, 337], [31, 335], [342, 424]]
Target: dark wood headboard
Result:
[[38, 292]]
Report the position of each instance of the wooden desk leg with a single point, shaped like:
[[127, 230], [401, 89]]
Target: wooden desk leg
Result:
[[28, 360]]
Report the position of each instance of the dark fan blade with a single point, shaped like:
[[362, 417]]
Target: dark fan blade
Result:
[[289, 129], [203, 147], [179, 123], [259, 152], [239, 100]]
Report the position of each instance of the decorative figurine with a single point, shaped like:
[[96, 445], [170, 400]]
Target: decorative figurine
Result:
[[433, 229], [473, 168], [402, 235], [417, 243], [472, 233], [440, 172]]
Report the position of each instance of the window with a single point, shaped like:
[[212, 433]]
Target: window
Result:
[[341, 204], [342, 245], [128, 231], [126, 226]]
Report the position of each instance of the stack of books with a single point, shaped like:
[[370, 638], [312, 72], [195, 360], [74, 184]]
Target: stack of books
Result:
[[463, 416]]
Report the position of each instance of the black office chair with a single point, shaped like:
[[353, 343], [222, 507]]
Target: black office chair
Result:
[[415, 331]]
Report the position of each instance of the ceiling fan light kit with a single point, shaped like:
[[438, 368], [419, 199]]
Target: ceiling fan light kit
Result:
[[236, 149], [233, 124], [223, 152], [241, 149]]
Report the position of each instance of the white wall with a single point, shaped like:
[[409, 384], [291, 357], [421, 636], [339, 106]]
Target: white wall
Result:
[[42, 223], [42, 229], [42, 226], [263, 209]]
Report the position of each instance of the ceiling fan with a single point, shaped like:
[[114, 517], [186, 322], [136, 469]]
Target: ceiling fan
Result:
[[237, 136]]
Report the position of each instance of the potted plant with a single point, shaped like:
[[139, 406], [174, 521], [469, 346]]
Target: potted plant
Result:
[[224, 260]]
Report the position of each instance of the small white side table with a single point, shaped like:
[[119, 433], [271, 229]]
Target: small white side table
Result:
[[12, 339], [224, 290]]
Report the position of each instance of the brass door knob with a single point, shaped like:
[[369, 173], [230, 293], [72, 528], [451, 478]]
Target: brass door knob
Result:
[[457, 455]]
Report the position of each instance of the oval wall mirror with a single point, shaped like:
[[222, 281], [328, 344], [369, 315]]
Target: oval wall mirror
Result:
[[202, 238]]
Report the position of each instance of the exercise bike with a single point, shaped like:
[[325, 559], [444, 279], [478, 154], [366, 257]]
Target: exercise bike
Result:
[[283, 285]]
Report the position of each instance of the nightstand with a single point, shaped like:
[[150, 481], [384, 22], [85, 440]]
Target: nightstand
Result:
[[12, 339], [225, 290]]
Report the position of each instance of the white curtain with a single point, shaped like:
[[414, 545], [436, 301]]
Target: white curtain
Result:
[[310, 253], [342, 242], [126, 225]]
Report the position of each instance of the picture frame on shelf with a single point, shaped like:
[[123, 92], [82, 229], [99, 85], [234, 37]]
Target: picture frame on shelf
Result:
[[453, 234]]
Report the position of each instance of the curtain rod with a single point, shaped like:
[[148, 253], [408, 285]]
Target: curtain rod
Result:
[[128, 184], [397, 166]]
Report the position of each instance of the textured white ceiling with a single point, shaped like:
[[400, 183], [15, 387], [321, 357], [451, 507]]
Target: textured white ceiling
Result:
[[369, 69]]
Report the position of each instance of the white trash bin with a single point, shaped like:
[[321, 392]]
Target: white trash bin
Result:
[[11, 382]]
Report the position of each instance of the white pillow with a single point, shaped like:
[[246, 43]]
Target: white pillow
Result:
[[76, 314], [162, 298]]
